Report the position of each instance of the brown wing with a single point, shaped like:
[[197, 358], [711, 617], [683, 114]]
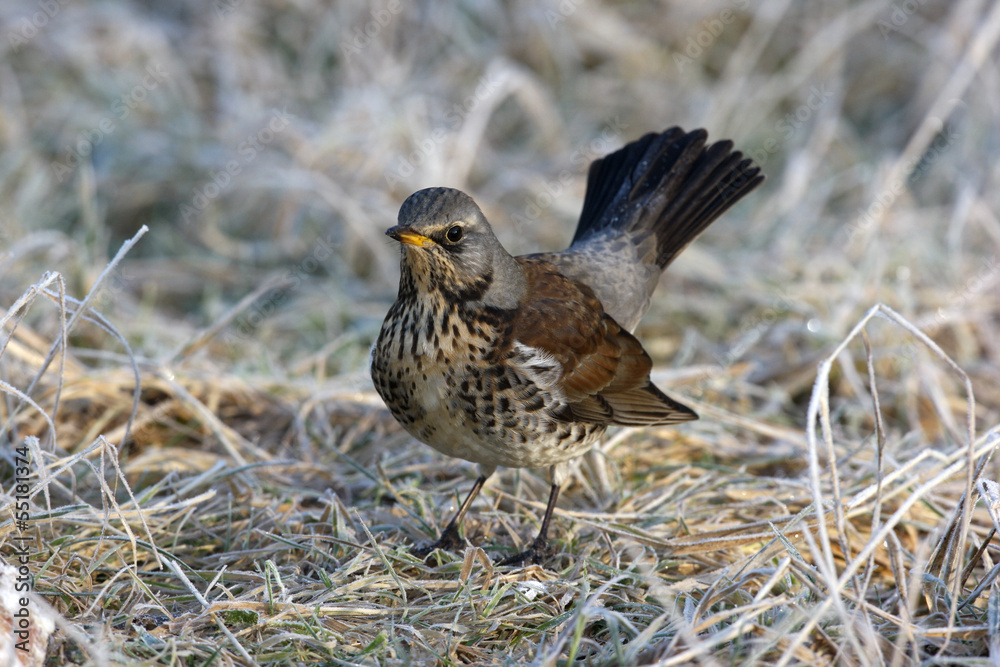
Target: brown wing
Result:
[[605, 370]]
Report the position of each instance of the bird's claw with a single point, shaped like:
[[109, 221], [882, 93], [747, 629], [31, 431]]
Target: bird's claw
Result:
[[450, 540], [537, 553]]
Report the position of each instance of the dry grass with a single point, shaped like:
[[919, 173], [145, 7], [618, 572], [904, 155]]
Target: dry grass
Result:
[[212, 479]]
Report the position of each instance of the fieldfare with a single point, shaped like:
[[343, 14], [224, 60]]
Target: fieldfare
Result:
[[525, 361]]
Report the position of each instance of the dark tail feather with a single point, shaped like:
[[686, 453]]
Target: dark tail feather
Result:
[[666, 184]]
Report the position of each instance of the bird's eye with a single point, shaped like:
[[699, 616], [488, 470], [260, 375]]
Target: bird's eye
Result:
[[454, 234]]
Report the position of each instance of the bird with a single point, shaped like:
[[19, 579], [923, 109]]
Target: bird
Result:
[[524, 362]]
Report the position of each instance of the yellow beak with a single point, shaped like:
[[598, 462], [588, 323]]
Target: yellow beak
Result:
[[408, 236]]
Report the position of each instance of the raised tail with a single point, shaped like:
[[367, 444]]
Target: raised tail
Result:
[[668, 185], [644, 204]]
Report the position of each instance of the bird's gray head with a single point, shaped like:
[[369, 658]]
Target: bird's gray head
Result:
[[449, 248]]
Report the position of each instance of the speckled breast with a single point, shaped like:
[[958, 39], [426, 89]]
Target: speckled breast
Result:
[[456, 384]]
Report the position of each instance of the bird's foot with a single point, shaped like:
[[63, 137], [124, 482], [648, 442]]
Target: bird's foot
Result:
[[538, 552], [450, 540]]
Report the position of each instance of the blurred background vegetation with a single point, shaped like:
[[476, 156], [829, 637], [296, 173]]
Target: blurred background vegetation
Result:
[[267, 145]]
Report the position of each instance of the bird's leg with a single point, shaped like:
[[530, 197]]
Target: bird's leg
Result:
[[450, 539], [539, 549]]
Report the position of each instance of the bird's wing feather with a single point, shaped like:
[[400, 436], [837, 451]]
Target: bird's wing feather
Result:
[[605, 371]]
